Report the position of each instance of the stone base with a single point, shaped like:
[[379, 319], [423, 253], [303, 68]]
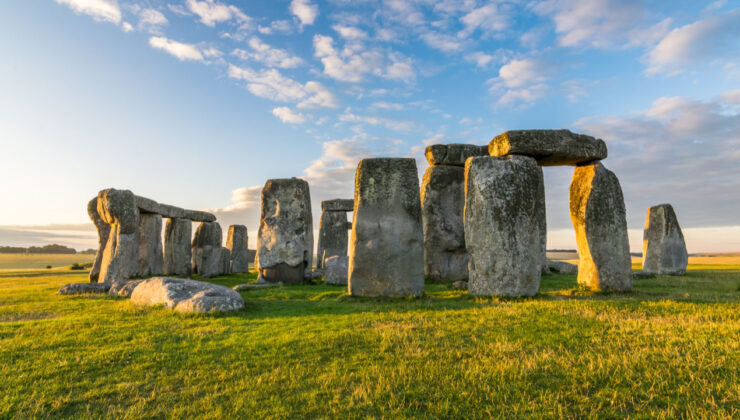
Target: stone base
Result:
[[283, 273]]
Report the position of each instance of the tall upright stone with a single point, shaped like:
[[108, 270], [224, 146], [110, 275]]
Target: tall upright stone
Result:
[[225, 258], [151, 256], [442, 205], [103, 229], [120, 258], [599, 218], [206, 249], [285, 235], [236, 242], [542, 221], [386, 255], [177, 252], [502, 233], [663, 246], [332, 236]]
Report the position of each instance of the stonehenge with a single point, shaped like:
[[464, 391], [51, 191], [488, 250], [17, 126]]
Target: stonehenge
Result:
[[103, 234], [549, 147], [121, 252], [333, 229], [502, 233], [151, 257], [177, 253], [236, 243], [442, 203], [386, 255], [663, 246], [206, 250], [285, 235]]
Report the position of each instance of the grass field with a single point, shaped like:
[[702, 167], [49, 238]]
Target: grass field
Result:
[[27, 261], [669, 349]]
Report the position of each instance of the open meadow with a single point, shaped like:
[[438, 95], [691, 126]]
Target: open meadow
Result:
[[30, 261], [671, 348]]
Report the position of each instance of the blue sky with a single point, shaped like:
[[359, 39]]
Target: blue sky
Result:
[[198, 102]]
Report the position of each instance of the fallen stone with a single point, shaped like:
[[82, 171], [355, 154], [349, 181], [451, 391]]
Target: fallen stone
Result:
[[452, 154], [206, 250], [317, 274], [177, 252], [386, 250], [549, 147], [124, 289], [335, 271], [285, 235], [103, 235], [120, 258], [663, 245], [147, 205], [258, 286], [184, 295], [83, 288], [151, 256], [236, 242], [332, 235], [442, 205], [599, 218], [460, 285], [562, 267], [338, 204], [501, 226]]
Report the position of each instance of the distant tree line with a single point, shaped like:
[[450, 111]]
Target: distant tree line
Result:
[[46, 249]]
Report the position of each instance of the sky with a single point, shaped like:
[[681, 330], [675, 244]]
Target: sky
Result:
[[196, 103]]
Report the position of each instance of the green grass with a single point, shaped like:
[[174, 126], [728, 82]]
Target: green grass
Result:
[[26, 261], [669, 349]]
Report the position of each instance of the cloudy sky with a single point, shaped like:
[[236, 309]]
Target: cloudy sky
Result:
[[197, 102]]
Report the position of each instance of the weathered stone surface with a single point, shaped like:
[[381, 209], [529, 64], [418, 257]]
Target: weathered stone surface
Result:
[[332, 235], [336, 270], [236, 242], [549, 147], [452, 154], [562, 267], [501, 227], [206, 250], [184, 295], [103, 235], [83, 288], [339, 204], [460, 285], [147, 205], [177, 252], [120, 258], [151, 256], [124, 288], [258, 286], [442, 205], [386, 256], [542, 221], [599, 218], [663, 246], [225, 267], [285, 235]]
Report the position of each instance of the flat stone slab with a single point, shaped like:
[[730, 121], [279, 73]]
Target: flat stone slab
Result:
[[147, 205], [562, 267], [256, 286], [549, 147], [339, 204], [83, 288], [184, 295], [453, 154]]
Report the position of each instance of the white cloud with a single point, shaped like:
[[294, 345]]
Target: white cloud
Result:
[[480, 59], [271, 84], [702, 41], [100, 10], [442, 41], [490, 18], [731, 98], [352, 63], [277, 26], [287, 115], [391, 124], [520, 82], [350, 32], [151, 19], [126, 27], [264, 53], [212, 12], [179, 50], [305, 11], [387, 105]]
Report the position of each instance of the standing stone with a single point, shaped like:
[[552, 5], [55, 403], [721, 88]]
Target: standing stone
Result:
[[236, 242], [103, 234], [177, 251], [338, 204], [335, 271], [206, 250], [386, 256], [442, 205], [502, 232], [151, 257], [542, 221], [285, 235], [549, 147], [332, 235], [599, 218], [225, 265], [120, 258], [663, 246]]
